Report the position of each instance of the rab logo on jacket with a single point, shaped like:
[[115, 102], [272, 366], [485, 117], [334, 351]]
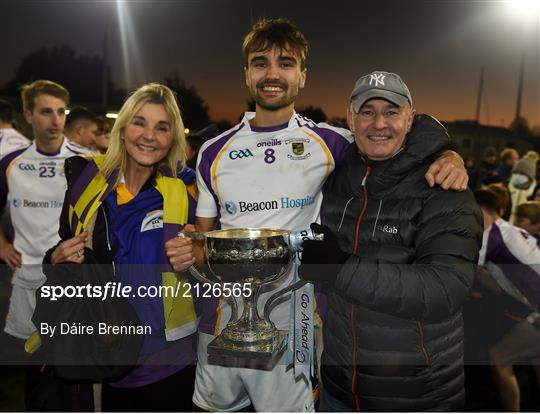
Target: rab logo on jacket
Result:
[[152, 221], [387, 229]]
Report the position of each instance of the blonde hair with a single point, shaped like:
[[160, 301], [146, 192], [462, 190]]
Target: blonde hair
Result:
[[116, 156], [507, 153]]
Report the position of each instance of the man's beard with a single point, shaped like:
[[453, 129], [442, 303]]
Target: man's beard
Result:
[[290, 94]]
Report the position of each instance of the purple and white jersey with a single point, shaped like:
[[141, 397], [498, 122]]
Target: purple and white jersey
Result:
[[11, 140], [517, 254], [80, 148], [34, 184], [267, 178]]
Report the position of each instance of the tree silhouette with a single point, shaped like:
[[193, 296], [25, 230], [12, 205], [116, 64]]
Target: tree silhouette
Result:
[[338, 122], [314, 113], [520, 126], [81, 75], [192, 107]]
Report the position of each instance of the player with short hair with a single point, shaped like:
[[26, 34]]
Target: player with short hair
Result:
[[81, 127], [33, 181]]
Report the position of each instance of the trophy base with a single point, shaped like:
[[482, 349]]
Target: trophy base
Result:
[[256, 356]]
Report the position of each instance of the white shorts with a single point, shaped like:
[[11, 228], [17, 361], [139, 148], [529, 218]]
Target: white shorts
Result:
[[21, 309], [220, 388]]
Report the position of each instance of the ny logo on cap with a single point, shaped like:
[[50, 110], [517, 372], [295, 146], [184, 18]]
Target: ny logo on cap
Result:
[[378, 78]]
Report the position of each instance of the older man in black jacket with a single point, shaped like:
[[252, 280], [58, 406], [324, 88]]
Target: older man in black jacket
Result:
[[397, 261]]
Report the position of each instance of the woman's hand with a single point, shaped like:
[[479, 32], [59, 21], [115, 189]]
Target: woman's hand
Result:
[[179, 250], [71, 250]]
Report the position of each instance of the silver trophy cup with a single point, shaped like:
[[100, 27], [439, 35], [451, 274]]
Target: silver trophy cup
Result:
[[258, 257]]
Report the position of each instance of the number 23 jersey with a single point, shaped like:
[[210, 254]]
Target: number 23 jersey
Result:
[[35, 184]]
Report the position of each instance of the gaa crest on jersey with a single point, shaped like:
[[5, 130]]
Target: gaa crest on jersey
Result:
[[152, 221], [238, 154], [297, 149], [27, 166]]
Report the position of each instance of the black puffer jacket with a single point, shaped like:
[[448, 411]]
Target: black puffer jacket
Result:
[[393, 336]]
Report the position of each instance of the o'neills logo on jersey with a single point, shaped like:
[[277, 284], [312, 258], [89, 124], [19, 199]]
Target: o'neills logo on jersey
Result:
[[232, 207], [269, 143]]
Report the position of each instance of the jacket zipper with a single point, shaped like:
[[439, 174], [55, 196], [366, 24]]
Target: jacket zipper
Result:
[[425, 352], [353, 327]]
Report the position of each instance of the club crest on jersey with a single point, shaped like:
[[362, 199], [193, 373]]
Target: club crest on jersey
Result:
[[152, 221], [60, 168], [298, 148]]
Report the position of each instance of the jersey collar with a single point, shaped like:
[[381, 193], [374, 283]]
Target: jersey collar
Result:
[[250, 115]]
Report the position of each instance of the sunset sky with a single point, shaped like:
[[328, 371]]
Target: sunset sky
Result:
[[438, 47]]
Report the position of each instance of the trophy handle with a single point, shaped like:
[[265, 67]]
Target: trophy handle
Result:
[[201, 277], [270, 303]]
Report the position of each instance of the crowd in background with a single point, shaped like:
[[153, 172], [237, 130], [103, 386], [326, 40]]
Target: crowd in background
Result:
[[504, 301]]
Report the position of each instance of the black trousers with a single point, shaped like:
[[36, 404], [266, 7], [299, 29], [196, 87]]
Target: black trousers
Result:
[[173, 393], [47, 392]]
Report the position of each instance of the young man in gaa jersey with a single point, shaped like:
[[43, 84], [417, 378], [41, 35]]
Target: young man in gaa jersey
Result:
[[268, 171], [10, 140], [33, 181]]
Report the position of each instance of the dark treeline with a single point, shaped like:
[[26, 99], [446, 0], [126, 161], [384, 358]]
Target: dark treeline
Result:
[[83, 76]]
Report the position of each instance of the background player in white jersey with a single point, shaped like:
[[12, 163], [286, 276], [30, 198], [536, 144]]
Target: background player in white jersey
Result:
[[33, 181], [10, 138], [81, 128], [268, 172], [512, 257]]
